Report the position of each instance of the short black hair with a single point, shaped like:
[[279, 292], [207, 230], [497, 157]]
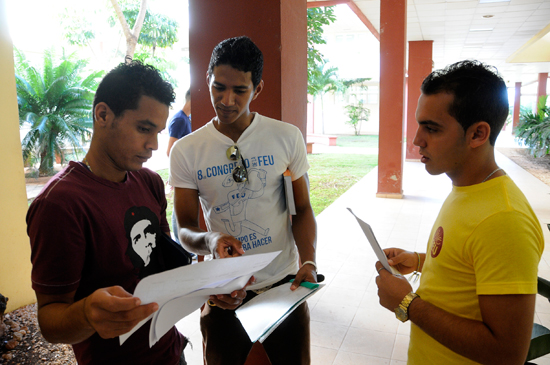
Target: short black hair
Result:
[[479, 94], [122, 88], [240, 53]]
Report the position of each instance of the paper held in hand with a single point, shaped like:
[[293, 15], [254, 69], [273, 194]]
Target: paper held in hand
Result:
[[181, 291], [375, 246], [264, 313]]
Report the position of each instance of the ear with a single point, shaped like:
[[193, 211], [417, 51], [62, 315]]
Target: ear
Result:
[[102, 114], [479, 134], [207, 79], [258, 90]]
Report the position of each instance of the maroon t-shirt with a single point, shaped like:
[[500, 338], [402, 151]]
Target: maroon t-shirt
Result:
[[88, 233]]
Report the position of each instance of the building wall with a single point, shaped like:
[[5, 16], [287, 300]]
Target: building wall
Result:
[[15, 266]]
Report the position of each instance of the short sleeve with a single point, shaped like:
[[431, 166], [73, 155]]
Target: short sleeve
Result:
[[299, 164], [506, 253], [181, 175], [57, 247]]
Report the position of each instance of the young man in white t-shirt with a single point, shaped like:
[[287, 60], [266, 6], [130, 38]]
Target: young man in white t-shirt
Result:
[[234, 167]]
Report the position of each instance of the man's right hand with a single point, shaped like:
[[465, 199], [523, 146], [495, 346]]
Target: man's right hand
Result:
[[223, 245], [113, 311], [404, 261]]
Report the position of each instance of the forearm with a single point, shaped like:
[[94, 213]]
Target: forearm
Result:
[[469, 338], [195, 240], [304, 230], [64, 323]]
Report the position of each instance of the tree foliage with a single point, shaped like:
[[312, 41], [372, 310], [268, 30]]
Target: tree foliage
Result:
[[156, 30], [323, 80], [56, 102], [78, 30], [316, 19], [534, 129]]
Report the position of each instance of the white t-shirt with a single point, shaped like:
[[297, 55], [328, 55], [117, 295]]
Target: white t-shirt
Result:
[[255, 211]]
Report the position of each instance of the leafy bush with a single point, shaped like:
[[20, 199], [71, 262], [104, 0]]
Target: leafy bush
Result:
[[357, 113], [533, 130]]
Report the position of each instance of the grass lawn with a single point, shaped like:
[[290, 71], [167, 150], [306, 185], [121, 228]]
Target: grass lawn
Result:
[[330, 175], [357, 141]]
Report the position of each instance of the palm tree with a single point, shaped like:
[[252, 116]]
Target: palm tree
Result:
[[57, 103], [321, 82]]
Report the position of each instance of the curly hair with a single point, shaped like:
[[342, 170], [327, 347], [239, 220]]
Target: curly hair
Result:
[[479, 94], [240, 53], [122, 88]]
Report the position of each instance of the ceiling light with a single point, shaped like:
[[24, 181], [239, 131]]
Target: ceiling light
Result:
[[488, 16], [493, 1], [481, 29]]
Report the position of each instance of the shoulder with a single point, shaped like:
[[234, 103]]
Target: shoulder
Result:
[[67, 181], [148, 176], [281, 126]]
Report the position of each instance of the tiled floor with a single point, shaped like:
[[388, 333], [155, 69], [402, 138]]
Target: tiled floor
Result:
[[348, 326]]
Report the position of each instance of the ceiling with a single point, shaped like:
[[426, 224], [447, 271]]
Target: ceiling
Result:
[[512, 35]]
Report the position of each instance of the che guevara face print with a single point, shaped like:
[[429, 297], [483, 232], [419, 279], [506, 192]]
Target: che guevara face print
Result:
[[142, 231]]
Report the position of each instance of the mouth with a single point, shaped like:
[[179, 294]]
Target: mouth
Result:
[[143, 158], [225, 111], [423, 158]]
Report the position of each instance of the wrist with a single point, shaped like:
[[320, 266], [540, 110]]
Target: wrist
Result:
[[85, 315], [311, 263]]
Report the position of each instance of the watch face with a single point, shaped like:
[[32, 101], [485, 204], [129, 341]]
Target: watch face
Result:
[[401, 314]]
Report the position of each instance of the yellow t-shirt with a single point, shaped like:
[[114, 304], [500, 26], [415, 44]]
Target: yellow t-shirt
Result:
[[486, 240]]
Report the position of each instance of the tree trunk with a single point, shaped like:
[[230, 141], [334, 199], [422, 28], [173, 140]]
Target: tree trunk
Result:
[[132, 36]]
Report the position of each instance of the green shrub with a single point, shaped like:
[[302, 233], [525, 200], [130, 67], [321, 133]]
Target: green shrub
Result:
[[533, 130]]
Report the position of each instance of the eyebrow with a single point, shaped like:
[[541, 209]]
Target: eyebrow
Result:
[[147, 122], [429, 123], [240, 87]]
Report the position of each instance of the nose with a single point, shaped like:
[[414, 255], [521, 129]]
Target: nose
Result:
[[153, 143], [418, 140], [228, 98]]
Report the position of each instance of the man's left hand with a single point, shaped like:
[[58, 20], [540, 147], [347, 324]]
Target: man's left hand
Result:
[[233, 300], [391, 288], [306, 273]]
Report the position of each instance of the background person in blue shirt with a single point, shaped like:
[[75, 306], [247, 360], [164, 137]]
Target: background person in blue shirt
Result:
[[180, 124]]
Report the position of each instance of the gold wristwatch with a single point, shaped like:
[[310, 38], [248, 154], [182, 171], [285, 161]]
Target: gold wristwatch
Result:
[[402, 311]]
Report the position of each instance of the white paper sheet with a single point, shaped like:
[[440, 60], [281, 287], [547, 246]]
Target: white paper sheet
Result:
[[262, 314], [179, 292], [374, 243]]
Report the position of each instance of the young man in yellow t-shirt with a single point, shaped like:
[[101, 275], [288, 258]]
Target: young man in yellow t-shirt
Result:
[[476, 298]]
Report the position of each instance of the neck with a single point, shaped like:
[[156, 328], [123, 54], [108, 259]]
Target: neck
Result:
[[235, 129], [478, 170], [102, 166], [187, 109]]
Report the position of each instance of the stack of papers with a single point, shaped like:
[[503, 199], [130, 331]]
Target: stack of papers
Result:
[[179, 292], [262, 314]]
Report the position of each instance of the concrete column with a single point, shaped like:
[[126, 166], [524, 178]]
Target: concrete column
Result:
[[517, 103], [15, 265], [420, 66], [279, 29], [393, 36], [543, 80]]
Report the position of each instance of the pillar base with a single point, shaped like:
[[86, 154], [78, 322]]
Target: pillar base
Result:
[[390, 195]]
